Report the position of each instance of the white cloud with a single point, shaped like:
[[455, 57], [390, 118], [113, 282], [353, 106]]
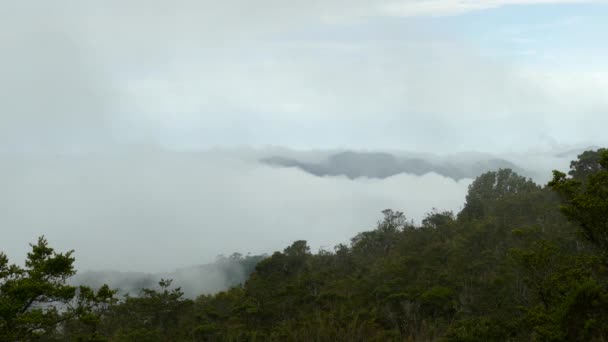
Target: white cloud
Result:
[[153, 210], [76, 73], [454, 7]]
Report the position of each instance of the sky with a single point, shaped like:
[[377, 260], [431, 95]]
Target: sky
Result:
[[438, 75], [129, 130]]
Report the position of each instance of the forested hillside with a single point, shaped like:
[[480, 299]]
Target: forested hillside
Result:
[[520, 262], [383, 165], [223, 273]]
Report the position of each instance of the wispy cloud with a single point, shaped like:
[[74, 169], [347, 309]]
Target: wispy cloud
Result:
[[455, 7]]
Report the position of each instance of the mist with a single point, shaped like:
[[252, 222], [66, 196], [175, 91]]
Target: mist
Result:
[[156, 210], [134, 132], [330, 74]]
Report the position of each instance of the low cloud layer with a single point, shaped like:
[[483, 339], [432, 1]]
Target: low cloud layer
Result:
[[159, 210], [148, 209], [79, 81]]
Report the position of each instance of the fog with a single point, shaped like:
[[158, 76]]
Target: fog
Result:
[[155, 211], [150, 210], [222, 274], [322, 74], [133, 131]]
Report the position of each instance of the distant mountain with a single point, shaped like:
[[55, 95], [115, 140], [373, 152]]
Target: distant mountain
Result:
[[573, 153], [203, 279], [383, 165]]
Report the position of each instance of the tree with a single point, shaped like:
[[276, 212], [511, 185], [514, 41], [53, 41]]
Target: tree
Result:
[[490, 187], [36, 301], [585, 200], [29, 295], [88, 311], [586, 164], [155, 315]]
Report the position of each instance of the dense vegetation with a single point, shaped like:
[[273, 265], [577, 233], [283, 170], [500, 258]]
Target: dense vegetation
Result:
[[383, 165], [520, 262]]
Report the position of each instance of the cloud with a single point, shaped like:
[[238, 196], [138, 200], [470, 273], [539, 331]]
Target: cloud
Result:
[[146, 209], [50, 89], [156, 211], [318, 73], [79, 75], [454, 7], [373, 93]]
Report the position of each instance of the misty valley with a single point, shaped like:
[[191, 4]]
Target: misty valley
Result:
[[518, 262], [303, 171]]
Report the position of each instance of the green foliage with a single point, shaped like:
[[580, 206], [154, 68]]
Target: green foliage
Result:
[[154, 315], [491, 187], [586, 200], [36, 302], [88, 310], [27, 294], [588, 163]]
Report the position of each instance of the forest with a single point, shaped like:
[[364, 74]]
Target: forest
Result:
[[519, 262]]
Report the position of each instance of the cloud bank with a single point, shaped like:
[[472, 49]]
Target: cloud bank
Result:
[[79, 81], [312, 74], [157, 211]]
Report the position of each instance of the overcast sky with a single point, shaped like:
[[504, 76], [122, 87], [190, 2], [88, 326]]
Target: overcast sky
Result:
[[124, 82], [433, 75]]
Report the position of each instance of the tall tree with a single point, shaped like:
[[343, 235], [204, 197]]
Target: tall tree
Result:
[[28, 295], [586, 199]]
